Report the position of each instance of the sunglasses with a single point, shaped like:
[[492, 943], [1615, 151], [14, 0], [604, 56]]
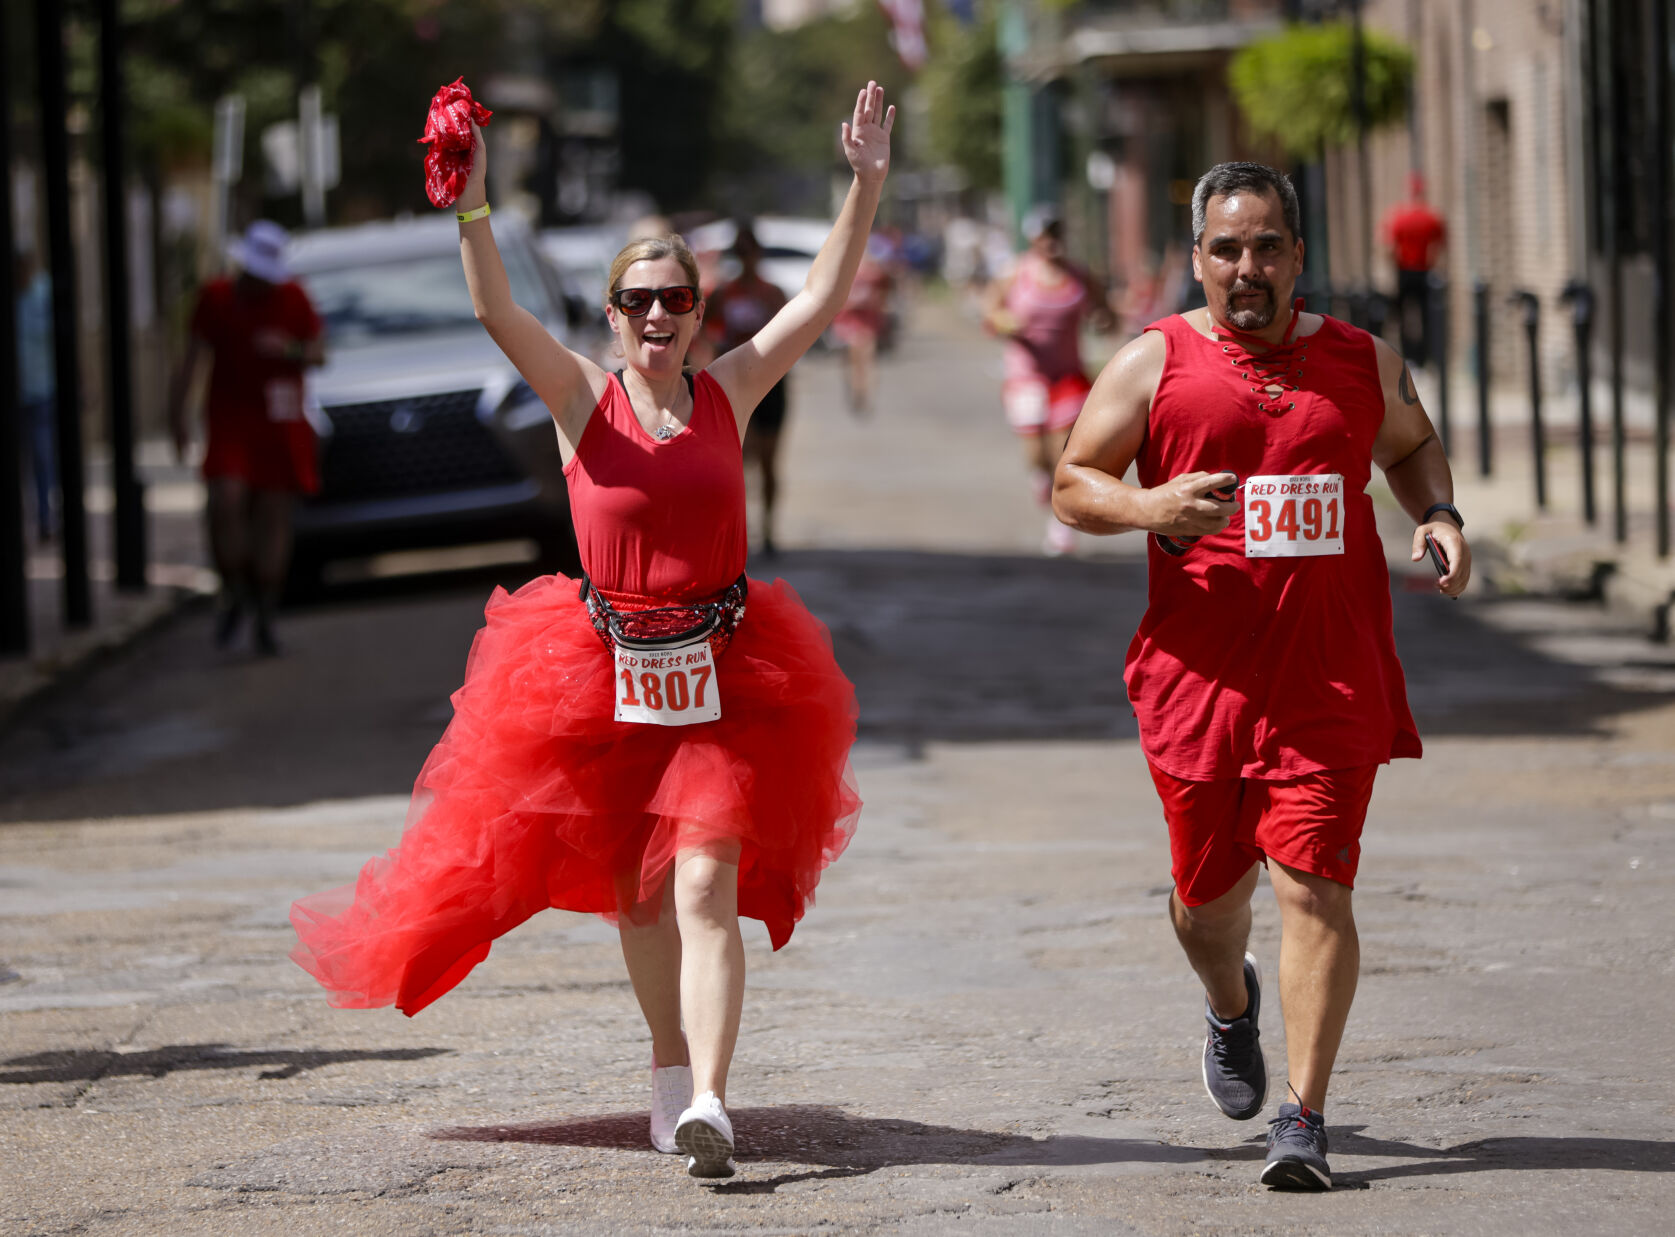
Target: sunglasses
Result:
[[636, 302]]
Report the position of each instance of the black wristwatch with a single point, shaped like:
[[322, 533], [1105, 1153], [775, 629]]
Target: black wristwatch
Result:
[[1450, 508]]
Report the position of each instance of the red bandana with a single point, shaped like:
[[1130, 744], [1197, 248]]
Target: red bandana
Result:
[[448, 130]]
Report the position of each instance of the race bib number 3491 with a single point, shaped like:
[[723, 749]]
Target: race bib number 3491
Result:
[[1294, 517], [673, 687]]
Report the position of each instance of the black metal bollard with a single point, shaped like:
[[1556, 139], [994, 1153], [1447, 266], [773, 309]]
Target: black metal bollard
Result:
[[1436, 330], [1530, 303], [1378, 312], [1480, 321], [1581, 299]]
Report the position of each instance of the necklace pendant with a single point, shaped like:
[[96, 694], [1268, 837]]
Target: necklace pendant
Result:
[[664, 432]]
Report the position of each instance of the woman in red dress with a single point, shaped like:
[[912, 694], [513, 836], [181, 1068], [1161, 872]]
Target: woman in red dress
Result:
[[670, 784]]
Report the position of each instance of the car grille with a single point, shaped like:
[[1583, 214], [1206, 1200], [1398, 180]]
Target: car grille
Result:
[[420, 444]]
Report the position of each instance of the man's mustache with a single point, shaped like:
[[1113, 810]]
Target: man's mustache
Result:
[[1242, 286]]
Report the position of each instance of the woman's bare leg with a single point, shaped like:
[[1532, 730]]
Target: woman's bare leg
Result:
[[652, 952], [706, 886]]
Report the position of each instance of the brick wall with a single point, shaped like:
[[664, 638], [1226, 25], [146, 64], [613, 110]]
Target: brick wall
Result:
[[1491, 136]]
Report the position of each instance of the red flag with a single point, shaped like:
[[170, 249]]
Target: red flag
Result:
[[452, 146], [907, 30]]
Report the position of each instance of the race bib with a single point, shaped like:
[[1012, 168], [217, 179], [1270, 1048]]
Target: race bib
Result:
[[283, 397], [669, 687], [1294, 517]]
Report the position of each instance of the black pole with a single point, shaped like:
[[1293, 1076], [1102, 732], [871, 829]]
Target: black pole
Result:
[[130, 499], [14, 581], [1581, 298], [1531, 305], [1436, 296], [1363, 165], [55, 160], [1480, 324], [1613, 222], [1658, 163]]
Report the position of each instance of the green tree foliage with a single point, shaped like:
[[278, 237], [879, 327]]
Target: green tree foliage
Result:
[[673, 59], [379, 61], [1295, 87], [963, 81], [789, 90]]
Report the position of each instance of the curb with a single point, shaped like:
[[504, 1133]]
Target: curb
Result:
[[25, 683], [1583, 567]]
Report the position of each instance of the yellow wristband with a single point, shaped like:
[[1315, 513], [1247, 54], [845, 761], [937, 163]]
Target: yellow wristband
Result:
[[467, 216]]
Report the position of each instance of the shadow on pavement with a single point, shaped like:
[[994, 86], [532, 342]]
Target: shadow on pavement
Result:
[[843, 1144], [942, 648], [91, 1066], [987, 647], [839, 1144], [1515, 1154]]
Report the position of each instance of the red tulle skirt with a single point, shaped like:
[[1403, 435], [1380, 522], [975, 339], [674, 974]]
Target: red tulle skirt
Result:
[[536, 796]]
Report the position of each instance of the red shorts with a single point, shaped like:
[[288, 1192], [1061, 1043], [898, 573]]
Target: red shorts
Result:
[[1034, 407], [1217, 830]]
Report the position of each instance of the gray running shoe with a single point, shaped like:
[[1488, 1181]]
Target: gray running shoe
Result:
[[1235, 1073], [1297, 1151]]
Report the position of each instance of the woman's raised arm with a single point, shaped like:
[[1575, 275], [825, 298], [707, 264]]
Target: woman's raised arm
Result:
[[749, 371], [568, 383]]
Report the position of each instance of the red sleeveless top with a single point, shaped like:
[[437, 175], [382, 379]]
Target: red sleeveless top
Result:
[[660, 519], [1268, 667]]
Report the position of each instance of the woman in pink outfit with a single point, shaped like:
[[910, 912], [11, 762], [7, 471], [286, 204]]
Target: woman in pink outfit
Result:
[[1038, 309]]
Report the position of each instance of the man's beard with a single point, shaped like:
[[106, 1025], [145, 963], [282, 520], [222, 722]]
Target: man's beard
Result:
[[1255, 319]]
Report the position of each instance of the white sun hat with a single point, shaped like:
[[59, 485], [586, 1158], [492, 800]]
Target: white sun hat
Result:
[[261, 251]]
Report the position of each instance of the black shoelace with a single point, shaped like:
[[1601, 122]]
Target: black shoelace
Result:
[[1233, 1045]]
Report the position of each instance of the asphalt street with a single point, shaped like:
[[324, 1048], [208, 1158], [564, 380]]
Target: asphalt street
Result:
[[984, 1025]]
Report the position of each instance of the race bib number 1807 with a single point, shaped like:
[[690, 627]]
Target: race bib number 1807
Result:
[[1294, 517], [671, 687]]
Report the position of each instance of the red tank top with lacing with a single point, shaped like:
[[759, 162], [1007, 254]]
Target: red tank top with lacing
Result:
[[660, 520], [1268, 667]]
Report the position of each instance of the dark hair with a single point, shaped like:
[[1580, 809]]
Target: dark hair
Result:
[[1228, 178]]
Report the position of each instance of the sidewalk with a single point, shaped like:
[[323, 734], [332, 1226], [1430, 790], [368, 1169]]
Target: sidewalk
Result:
[[177, 573], [1523, 549]]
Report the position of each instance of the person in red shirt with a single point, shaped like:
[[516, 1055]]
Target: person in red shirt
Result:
[[1264, 674], [734, 312], [667, 744], [1414, 235], [861, 323], [260, 332]]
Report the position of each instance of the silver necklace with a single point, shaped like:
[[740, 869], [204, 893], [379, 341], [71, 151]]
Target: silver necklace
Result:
[[665, 432]]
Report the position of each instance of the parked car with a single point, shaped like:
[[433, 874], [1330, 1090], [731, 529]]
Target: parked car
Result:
[[428, 436], [789, 245], [582, 256]]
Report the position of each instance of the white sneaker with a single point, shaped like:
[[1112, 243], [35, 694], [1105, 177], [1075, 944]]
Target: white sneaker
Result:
[[671, 1092], [705, 1136]]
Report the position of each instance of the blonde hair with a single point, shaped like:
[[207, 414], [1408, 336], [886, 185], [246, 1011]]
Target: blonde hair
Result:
[[650, 249]]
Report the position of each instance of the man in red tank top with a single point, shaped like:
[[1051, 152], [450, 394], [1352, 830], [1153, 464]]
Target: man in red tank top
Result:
[[1264, 674]]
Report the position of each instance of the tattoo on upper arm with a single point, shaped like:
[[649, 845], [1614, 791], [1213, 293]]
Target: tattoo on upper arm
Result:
[[1404, 387]]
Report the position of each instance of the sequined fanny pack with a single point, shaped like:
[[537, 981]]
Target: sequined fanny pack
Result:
[[667, 627]]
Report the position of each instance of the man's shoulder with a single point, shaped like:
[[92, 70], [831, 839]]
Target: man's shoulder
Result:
[[1139, 363]]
